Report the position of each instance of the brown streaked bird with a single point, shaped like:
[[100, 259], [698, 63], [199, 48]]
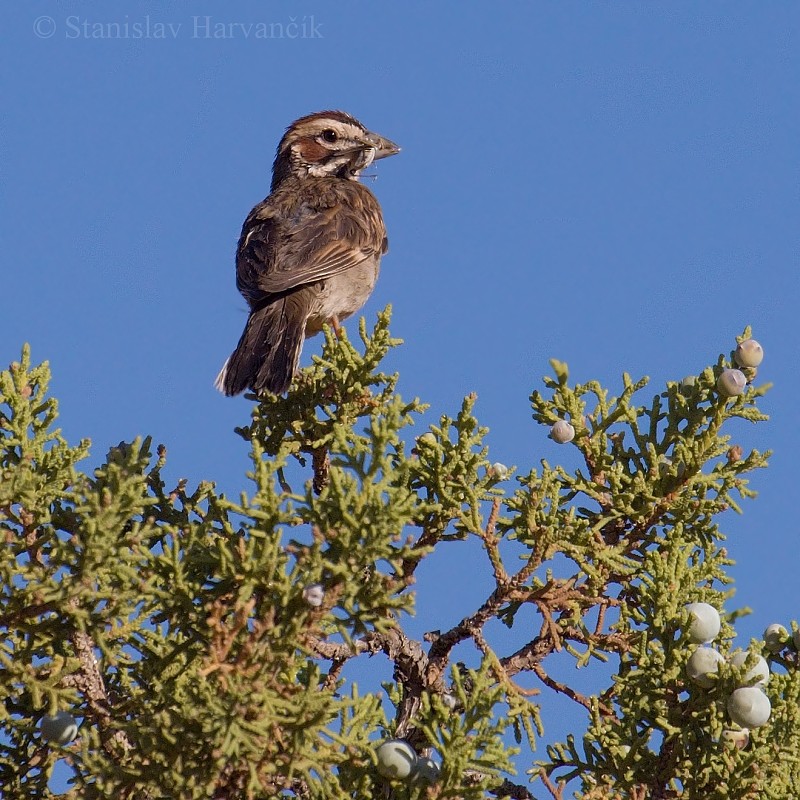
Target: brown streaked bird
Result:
[[310, 252]]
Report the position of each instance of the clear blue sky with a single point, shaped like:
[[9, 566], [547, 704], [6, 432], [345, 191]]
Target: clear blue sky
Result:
[[611, 184]]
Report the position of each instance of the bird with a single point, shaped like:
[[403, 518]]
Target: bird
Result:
[[310, 252]]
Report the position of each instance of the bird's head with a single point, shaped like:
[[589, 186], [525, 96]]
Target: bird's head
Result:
[[328, 144]]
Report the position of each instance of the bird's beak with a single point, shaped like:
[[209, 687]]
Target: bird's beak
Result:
[[383, 147]]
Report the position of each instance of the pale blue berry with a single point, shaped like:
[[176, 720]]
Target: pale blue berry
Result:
[[396, 759], [731, 383], [749, 707], [314, 594], [61, 728], [427, 771], [757, 675], [499, 471], [775, 637], [562, 432], [704, 622], [702, 665], [738, 738], [749, 353]]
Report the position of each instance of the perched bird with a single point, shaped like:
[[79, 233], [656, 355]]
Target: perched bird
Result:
[[310, 252]]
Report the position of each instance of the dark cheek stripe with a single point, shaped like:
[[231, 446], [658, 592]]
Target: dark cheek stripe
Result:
[[312, 152]]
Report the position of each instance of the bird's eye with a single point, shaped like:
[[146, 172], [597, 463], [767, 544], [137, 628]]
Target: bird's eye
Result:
[[329, 135]]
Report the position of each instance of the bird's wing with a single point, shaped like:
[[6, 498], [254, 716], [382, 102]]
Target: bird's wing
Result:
[[278, 254]]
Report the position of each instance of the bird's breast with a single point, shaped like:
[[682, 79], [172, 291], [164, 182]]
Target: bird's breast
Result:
[[342, 295]]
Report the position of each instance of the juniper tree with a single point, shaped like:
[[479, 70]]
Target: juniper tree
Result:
[[171, 642]]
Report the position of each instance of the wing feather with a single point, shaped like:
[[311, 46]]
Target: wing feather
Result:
[[280, 252]]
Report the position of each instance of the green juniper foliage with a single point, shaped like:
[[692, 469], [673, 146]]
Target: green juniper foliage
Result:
[[202, 643]]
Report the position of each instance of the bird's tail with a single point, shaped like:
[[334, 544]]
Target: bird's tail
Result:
[[269, 350]]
